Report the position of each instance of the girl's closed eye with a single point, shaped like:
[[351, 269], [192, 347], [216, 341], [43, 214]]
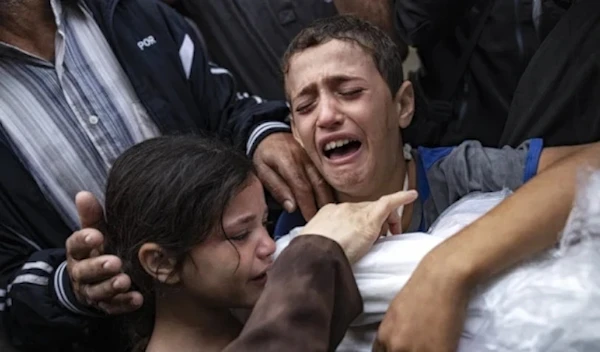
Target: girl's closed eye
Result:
[[240, 237]]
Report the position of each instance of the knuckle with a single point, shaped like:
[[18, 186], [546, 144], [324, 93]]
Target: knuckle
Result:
[[74, 272], [84, 291], [316, 179], [276, 190], [292, 172], [98, 292], [320, 181], [303, 188], [70, 242], [261, 159], [261, 168]]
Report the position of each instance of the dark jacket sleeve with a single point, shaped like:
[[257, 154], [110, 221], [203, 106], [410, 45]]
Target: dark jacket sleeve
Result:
[[308, 303], [239, 116], [426, 22], [37, 303], [37, 306]]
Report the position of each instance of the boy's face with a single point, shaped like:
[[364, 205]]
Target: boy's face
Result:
[[345, 116], [231, 272]]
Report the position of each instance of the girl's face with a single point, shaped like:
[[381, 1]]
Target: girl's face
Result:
[[231, 271]]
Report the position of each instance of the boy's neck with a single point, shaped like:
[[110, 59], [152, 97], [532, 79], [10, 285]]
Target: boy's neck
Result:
[[184, 324], [394, 183]]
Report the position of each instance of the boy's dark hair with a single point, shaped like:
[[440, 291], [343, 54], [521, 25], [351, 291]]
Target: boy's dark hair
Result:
[[385, 53], [171, 191]]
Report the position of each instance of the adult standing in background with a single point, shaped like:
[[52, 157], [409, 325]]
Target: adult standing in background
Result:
[[557, 97]]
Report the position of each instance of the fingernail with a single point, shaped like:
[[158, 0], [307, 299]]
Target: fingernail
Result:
[[106, 265], [117, 284], [88, 239], [288, 206]]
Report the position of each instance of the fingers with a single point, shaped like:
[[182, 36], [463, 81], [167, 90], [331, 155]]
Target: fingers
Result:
[[397, 199], [94, 270], [280, 163], [276, 186], [122, 303], [107, 289], [89, 209], [81, 243], [321, 189], [384, 211], [388, 203], [295, 176]]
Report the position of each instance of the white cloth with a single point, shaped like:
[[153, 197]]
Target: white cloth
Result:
[[382, 273], [513, 313]]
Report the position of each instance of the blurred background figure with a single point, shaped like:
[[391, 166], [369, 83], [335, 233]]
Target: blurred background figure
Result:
[[250, 36], [473, 54]]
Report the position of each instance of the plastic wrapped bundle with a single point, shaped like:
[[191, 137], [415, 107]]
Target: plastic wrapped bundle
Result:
[[551, 303]]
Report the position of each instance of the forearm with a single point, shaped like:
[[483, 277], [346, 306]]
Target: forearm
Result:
[[378, 12], [526, 223]]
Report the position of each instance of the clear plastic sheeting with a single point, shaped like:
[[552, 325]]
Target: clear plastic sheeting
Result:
[[551, 303]]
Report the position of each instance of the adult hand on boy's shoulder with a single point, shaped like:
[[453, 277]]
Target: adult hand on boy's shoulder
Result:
[[427, 315], [289, 175], [96, 278]]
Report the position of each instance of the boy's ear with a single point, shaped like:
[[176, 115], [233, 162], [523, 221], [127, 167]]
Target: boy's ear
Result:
[[158, 264], [405, 104]]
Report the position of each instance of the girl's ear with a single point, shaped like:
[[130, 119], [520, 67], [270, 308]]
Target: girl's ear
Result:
[[158, 264]]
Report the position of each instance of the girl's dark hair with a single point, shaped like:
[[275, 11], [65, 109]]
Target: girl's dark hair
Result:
[[171, 191]]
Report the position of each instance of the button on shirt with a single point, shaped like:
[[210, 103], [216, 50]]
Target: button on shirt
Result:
[[68, 120]]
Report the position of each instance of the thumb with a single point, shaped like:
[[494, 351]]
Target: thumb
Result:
[[89, 210]]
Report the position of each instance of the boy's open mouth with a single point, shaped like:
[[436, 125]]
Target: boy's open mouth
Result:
[[340, 148]]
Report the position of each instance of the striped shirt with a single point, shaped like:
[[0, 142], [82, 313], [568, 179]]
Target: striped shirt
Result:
[[68, 120]]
